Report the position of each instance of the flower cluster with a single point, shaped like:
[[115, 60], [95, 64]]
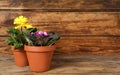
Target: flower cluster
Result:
[[17, 38], [41, 33], [22, 21], [40, 38], [24, 33]]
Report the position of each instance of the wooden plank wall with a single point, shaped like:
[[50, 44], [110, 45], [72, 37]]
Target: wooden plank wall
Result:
[[86, 26]]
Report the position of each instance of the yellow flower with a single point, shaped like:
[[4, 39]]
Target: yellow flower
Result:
[[18, 27], [25, 25], [20, 20], [28, 26]]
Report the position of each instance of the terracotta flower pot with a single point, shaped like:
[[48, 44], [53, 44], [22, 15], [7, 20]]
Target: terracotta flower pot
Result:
[[39, 57], [20, 57]]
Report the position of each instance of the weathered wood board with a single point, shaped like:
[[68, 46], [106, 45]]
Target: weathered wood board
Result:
[[86, 26], [62, 5], [67, 65], [67, 23], [80, 45]]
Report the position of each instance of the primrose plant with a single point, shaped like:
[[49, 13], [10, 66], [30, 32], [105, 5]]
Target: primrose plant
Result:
[[16, 37]]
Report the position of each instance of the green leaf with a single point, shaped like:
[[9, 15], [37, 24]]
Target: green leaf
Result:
[[9, 41], [16, 38], [18, 45], [52, 39], [30, 39]]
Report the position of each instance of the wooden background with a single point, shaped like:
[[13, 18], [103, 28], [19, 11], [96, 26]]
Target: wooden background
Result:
[[86, 26]]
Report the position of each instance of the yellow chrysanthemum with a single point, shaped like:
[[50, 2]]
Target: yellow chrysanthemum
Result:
[[20, 20], [28, 26], [25, 25]]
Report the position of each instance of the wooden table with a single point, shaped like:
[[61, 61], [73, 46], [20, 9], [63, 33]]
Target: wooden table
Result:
[[80, 65]]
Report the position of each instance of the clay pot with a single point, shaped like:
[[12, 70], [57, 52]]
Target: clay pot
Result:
[[39, 57], [20, 57]]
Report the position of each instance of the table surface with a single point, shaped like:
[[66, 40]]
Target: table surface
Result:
[[69, 65]]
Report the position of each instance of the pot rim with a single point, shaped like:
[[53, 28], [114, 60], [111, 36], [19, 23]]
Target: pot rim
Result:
[[17, 50], [39, 48]]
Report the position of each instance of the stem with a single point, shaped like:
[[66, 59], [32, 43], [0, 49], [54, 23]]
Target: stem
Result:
[[29, 41], [21, 29]]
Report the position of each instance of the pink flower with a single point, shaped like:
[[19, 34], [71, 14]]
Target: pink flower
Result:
[[39, 33], [45, 34]]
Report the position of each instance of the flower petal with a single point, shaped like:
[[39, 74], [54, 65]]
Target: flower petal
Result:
[[28, 26]]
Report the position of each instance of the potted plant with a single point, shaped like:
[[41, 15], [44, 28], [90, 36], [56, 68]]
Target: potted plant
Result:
[[39, 48], [16, 40]]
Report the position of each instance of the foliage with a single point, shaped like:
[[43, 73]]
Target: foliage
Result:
[[16, 38], [40, 38], [16, 33], [24, 33]]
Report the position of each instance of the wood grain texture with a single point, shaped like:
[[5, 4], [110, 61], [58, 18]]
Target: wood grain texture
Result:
[[62, 5], [80, 65], [4, 48], [79, 46], [67, 23], [89, 45], [86, 26]]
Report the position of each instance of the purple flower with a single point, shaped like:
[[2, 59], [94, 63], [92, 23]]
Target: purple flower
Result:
[[45, 34], [39, 33]]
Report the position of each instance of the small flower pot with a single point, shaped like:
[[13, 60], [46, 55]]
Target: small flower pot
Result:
[[39, 57], [20, 57]]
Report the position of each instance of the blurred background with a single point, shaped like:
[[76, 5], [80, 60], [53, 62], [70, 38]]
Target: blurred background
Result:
[[87, 27]]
